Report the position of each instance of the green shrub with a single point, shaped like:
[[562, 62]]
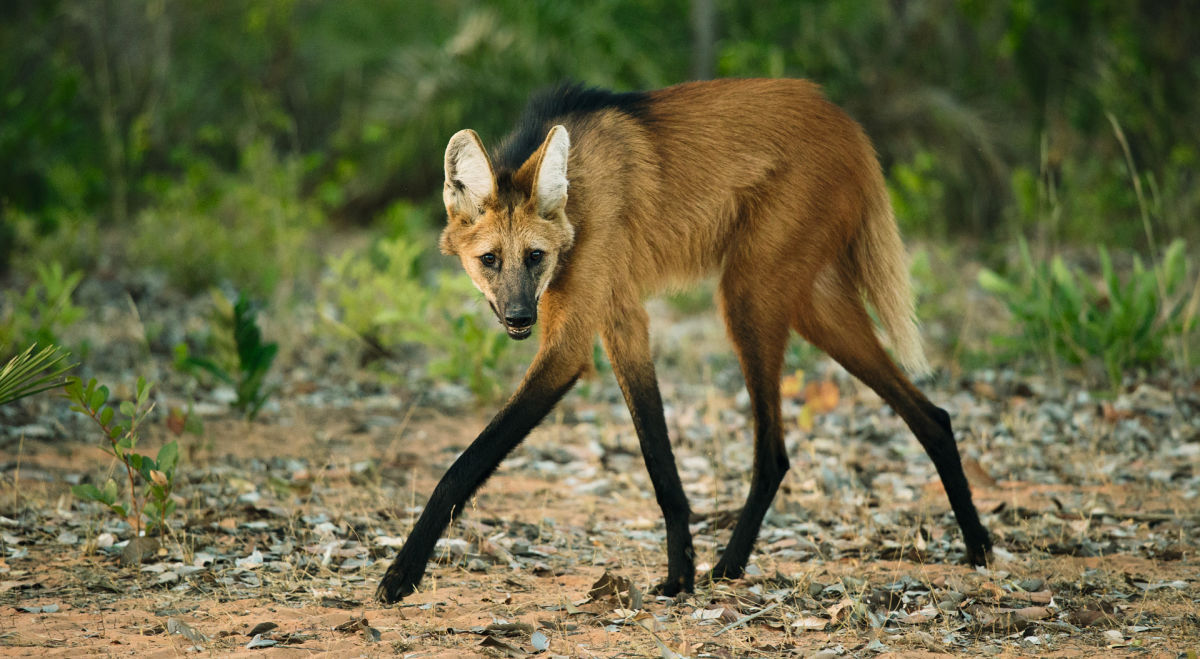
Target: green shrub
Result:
[[473, 352], [245, 367], [45, 310], [251, 228], [1061, 315], [377, 294], [919, 195], [379, 297], [72, 239]]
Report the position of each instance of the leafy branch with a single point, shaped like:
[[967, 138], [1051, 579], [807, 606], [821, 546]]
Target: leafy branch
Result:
[[158, 473]]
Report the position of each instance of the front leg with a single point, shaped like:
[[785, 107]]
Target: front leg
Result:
[[626, 338], [551, 375]]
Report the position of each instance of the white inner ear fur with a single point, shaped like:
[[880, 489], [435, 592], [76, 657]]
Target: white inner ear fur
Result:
[[552, 172], [467, 166]]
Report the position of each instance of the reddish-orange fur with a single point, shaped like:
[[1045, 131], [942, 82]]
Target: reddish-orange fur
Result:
[[762, 182]]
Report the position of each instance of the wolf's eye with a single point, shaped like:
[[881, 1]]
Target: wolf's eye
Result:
[[535, 256], [488, 259]]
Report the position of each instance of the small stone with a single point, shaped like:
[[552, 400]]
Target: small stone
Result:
[[1031, 585], [138, 550]]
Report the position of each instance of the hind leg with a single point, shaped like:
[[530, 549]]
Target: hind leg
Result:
[[758, 328], [837, 323]]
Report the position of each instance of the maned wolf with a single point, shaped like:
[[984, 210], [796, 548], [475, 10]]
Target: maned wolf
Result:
[[599, 199]]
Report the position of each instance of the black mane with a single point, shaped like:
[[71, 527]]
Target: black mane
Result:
[[553, 103]]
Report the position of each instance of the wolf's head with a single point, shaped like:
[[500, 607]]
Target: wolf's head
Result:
[[510, 234]]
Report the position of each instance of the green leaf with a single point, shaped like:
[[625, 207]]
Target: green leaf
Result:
[[1174, 265], [128, 409], [168, 457], [994, 283], [98, 397], [116, 431], [34, 370], [74, 388], [211, 367], [110, 491], [87, 492], [106, 416]]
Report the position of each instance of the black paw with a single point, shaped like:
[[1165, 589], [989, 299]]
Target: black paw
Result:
[[397, 584], [724, 572], [979, 552], [672, 586]]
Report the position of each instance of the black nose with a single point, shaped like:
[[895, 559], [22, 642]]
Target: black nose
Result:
[[518, 318]]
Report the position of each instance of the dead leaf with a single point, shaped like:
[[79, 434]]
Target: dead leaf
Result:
[[22, 584], [509, 628], [609, 585], [1033, 613], [840, 610], [823, 396], [508, 650], [810, 624], [1086, 617], [261, 628], [805, 418], [259, 642], [920, 617], [1035, 597], [791, 385], [977, 476], [175, 626], [176, 421]]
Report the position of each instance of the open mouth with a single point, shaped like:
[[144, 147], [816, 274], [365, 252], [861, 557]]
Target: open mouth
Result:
[[519, 333]]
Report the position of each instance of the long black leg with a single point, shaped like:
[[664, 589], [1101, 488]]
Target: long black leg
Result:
[[760, 346], [548, 380], [853, 344], [627, 342]]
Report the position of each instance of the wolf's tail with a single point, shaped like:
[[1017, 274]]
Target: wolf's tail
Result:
[[884, 279]]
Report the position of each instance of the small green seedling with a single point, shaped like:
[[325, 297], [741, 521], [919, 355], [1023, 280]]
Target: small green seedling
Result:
[[254, 359], [157, 474]]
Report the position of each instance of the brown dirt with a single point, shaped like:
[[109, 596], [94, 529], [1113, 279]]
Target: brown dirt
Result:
[[129, 614]]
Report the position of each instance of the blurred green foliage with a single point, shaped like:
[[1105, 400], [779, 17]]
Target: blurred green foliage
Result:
[[251, 228], [381, 297], [1062, 316], [42, 313], [240, 358], [109, 107], [221, 143]]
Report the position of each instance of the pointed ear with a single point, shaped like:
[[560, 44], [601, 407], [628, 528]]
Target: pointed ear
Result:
[[550, 181], [469, 177]]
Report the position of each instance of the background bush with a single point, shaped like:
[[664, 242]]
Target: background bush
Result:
[[224, 143], [106, 102]]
